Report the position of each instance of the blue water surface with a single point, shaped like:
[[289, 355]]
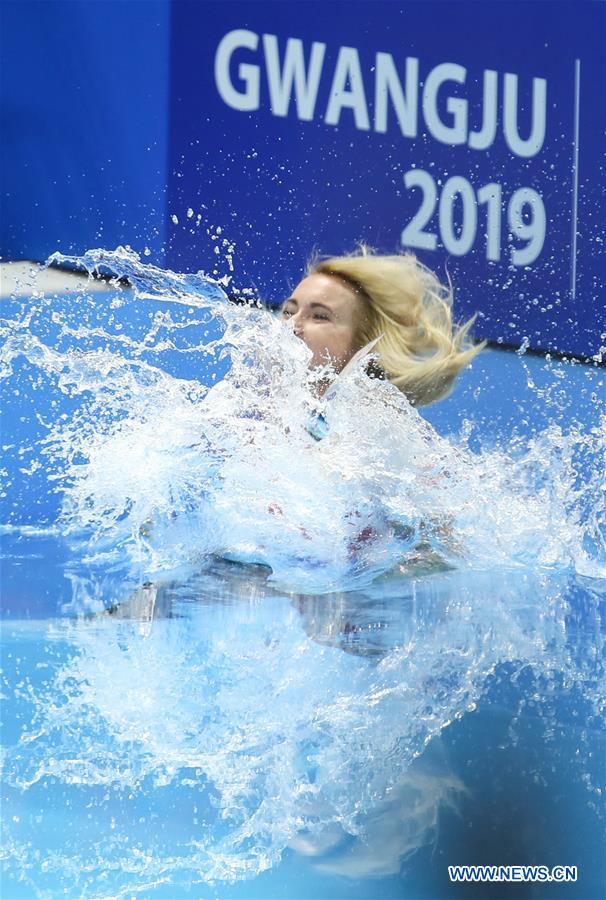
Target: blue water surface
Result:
[[221, 734]]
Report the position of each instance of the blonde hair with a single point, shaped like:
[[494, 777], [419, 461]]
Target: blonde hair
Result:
[[420, 350]]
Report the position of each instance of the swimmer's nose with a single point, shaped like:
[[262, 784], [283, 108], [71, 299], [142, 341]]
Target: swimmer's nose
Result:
[[297, 324]]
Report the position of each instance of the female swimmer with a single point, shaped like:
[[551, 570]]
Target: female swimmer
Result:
[[349, 306], [390, 305], [393, 308]]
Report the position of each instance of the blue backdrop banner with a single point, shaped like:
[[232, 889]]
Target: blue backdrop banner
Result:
[[83, 124], [239, 137], [472, 134]]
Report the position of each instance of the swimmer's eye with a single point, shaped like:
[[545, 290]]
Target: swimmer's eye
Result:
[[319, 316]]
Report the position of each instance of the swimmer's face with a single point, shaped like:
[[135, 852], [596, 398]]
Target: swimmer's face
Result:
[[325, 313]]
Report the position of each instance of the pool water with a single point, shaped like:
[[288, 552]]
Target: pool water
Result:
[[289, 722], [243, 742]]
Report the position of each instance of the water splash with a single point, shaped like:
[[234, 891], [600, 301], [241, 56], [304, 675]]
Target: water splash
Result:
[[159, 468], [397, 578]]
